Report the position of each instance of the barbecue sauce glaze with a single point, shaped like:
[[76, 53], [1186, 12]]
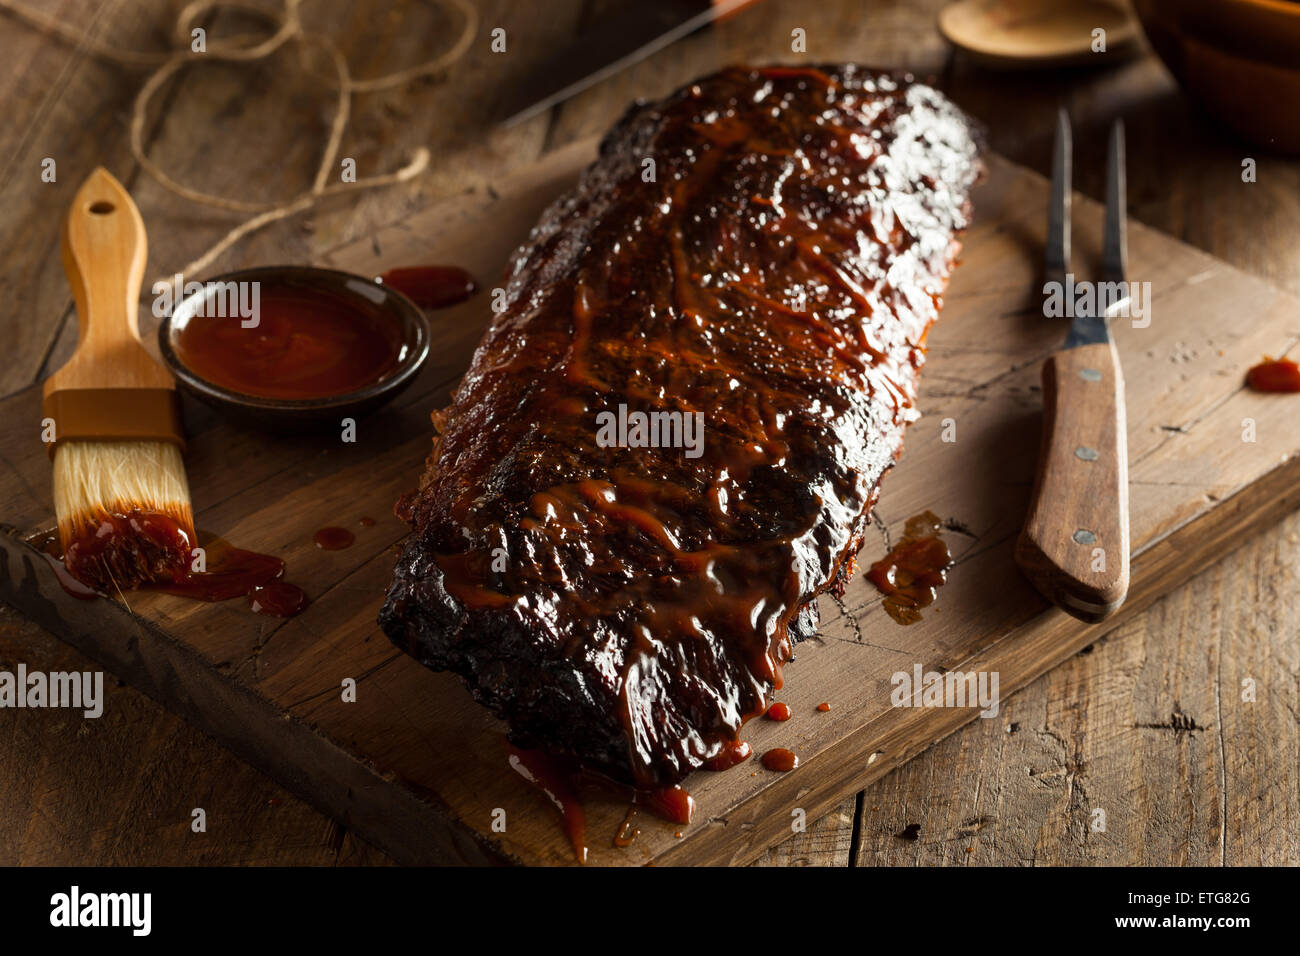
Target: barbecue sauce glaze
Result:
[[633, 607]]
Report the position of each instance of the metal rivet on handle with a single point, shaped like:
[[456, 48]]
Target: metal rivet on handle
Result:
[[1090, 375], [1085, 453], [1084, 536]]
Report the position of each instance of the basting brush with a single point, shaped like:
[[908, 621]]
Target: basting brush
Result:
[[120, 494]]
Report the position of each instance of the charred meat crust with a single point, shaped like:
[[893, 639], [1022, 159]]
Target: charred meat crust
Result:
[[765, 249]]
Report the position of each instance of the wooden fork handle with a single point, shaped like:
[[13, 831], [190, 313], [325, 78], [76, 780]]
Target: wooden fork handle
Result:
[[1075, 543]]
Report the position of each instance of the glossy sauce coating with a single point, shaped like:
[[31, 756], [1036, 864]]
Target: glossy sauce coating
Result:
[[911, 574], [1274, 375], [116, 550], [309, 342], [778, 276]]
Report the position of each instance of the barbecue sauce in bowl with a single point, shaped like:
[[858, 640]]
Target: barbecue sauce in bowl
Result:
[[298, 346], [309, 342]]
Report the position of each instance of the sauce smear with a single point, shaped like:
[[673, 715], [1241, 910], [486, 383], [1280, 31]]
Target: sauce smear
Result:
[[309, 342], [334, 539], [1274, 375], [911, 574], [431, 287]]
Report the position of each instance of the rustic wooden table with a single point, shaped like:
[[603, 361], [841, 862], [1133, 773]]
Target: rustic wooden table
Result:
[[1195, 788]]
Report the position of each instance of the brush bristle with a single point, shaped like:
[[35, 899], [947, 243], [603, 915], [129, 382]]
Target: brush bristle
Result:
[[124, 512]]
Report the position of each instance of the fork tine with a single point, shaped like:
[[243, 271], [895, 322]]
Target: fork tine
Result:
[[1115, 257], [1058, 210]]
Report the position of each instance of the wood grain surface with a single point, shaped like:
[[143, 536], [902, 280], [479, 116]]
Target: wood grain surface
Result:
[[1138, 724]]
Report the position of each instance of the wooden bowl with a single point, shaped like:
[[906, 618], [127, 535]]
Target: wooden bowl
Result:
[[1019, 34], [289, 414], [1240, 59]]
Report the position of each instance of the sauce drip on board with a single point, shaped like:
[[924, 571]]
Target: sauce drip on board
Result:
[[824, 707], [780, 760], [1274, 375], [309, 342], [334, 539], [367, 522], [431, 287], [627, 831], [910, 575], [779, 711], [277, 599], [560, 780]]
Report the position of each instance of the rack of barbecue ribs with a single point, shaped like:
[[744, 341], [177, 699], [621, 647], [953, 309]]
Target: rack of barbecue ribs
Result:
[[671, 437]]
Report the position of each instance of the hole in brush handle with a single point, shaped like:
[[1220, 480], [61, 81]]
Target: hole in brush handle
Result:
[[101, 207]]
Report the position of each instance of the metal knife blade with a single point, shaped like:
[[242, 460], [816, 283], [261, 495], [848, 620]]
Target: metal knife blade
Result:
[[614, 44], [1092, 328]]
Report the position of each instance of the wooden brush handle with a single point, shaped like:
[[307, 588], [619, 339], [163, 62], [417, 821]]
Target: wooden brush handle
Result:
[[1075, 545], [104, 252]]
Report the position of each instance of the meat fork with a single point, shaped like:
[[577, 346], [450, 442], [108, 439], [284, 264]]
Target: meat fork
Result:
[[1075, 542]]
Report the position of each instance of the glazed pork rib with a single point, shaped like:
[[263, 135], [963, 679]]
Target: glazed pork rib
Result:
[[671, 437]]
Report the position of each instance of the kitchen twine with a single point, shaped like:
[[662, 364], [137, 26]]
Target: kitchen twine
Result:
[[287, 26]]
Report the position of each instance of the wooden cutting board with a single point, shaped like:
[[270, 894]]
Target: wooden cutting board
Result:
[[420, 770]]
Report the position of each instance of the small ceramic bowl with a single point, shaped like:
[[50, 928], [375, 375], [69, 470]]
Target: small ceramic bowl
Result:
[[296, 413]]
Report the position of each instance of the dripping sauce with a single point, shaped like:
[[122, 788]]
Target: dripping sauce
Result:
[[546, 775], [780, 711], [732, 753], [627, 831]]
